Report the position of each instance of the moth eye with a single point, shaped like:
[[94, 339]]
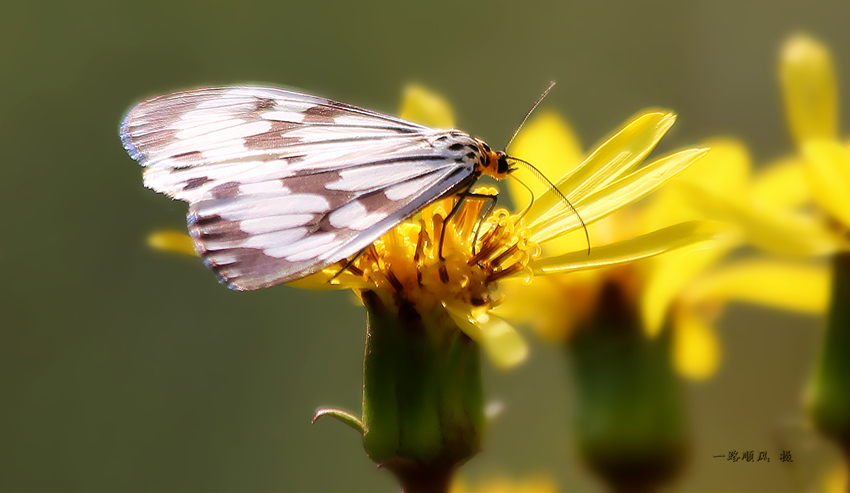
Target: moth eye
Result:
[[502, 166]]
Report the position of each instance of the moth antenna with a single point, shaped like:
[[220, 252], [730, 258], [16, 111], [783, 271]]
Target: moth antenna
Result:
[[530, 192], [536, 104], [536, 172]]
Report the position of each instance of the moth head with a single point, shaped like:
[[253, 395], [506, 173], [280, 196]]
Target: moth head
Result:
[[494, 163], [503, 168]]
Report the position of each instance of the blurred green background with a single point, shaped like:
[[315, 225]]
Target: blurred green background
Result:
[[126, 369]]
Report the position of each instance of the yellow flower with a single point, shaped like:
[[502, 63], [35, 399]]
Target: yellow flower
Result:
[[476, 256], [460, 271], [688, 286]]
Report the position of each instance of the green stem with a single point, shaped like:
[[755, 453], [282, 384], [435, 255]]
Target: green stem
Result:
[[342, 416], [830, 389]]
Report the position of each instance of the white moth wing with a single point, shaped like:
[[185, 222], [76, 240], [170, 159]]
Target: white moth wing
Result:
[[283, 184]]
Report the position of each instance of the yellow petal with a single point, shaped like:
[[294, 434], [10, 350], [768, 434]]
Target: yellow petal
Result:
[[620, 153], [329, 279], [574, 295], [835, 479], [624, 191], [809, 89], [667, 279], [672, 238], [505, 485], [428, 108], [620, 225], [782, 184], [459, 486], [172, 241], [505, 347], [548, 142], [828, 164], [771, 229], [573, 242], [785, 233], [696, 350], [667, 206], [801, 288], [724, 170]]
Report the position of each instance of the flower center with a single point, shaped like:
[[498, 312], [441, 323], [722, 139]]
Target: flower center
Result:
[[433, 260]]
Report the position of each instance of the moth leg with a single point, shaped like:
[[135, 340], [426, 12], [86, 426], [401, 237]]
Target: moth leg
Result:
[[491, 204], [349, 265], [461, 197]]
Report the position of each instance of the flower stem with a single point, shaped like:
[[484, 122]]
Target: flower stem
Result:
[[830, 390]]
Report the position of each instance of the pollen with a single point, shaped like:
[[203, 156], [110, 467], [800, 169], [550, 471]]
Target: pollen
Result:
[[450, 258]]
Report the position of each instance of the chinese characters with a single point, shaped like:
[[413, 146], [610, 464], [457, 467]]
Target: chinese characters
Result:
[[747, 456]]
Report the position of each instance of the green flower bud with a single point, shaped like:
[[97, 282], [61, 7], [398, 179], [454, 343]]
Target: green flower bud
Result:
[[631, 426], [423, 403], [423, 409]]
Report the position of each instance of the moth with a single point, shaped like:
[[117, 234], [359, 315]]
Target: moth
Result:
[[282, 184]]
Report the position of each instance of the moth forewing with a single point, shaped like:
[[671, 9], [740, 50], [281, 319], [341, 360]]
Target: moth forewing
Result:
[[282, 184]]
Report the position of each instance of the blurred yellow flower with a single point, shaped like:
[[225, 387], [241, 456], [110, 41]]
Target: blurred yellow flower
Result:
[[811, 104], [172, 241], [835, 480], [689, 287], [763, 210], [505, 485]]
